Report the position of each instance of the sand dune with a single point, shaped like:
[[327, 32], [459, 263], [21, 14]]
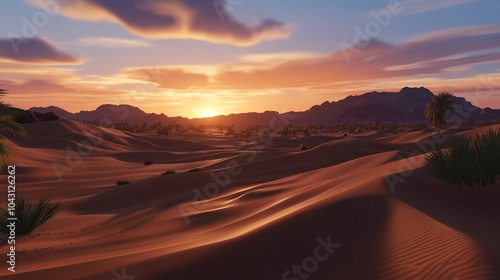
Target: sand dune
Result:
[[408, 137], [273, 214]]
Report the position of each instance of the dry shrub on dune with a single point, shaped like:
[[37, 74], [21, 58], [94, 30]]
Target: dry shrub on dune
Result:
[[122, 182], [168, 172]]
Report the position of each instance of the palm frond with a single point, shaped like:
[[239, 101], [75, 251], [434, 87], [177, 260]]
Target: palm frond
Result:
[[7, 118], [440, 108], [4, 154], [7, 122]]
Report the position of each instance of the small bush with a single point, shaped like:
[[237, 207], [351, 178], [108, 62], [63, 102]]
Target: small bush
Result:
[[122, 182], [30, 214], [345, 134], [468, 162], [168, 172], [303, 147], [195, 170], [148, 162]]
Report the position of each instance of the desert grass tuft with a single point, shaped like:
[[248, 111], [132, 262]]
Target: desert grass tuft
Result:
[[468, 162], [30, 214]]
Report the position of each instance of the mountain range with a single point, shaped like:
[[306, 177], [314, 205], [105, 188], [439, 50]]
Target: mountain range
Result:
[[407, 105]]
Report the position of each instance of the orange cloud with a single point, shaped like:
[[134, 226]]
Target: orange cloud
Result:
[[169, 78], [19, 72], [176, 19], [34, 51], [424, 56], [41, 87], [430, 54]]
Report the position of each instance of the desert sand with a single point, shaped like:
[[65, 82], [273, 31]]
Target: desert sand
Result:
[[279, 201]]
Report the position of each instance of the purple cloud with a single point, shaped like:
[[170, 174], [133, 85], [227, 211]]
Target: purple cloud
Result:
[[35, 50], [180, 19]]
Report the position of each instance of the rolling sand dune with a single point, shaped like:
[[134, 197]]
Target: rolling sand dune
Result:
[[408, 137], [271, 215]]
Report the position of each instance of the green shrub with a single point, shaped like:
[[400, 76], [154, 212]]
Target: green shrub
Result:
[[122, 182], [195, 170], [168, 172], [30, 214], [468, 162], [148, 162]]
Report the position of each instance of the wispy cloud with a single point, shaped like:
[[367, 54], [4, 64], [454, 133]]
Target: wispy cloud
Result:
[[169, 78], [48, 87], [428, 54], [413, 7], [110, 42]]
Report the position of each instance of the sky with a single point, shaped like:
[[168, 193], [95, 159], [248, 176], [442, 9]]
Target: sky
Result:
[[197, 58]]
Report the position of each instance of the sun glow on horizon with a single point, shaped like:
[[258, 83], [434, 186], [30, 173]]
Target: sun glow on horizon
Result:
[[207, 113]]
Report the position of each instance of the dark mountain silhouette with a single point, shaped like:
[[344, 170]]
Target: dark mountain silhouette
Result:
[[110, 114], [134, 115], [61, 113], [27, 116], [407, 105]]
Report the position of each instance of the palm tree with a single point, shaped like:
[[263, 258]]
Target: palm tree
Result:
[[7, 122], [439, 109]]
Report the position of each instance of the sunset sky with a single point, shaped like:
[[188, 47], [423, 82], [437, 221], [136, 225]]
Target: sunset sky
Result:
[[198, 58]]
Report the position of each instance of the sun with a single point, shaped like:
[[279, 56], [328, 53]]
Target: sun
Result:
[[207, 113]]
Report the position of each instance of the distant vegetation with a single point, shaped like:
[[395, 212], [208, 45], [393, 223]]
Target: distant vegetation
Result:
[[148, 162], [30, 214], [195, 170], [168, 172], [122, 182], [158, 127], [468, 162], [248, 131], [436, 113]]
